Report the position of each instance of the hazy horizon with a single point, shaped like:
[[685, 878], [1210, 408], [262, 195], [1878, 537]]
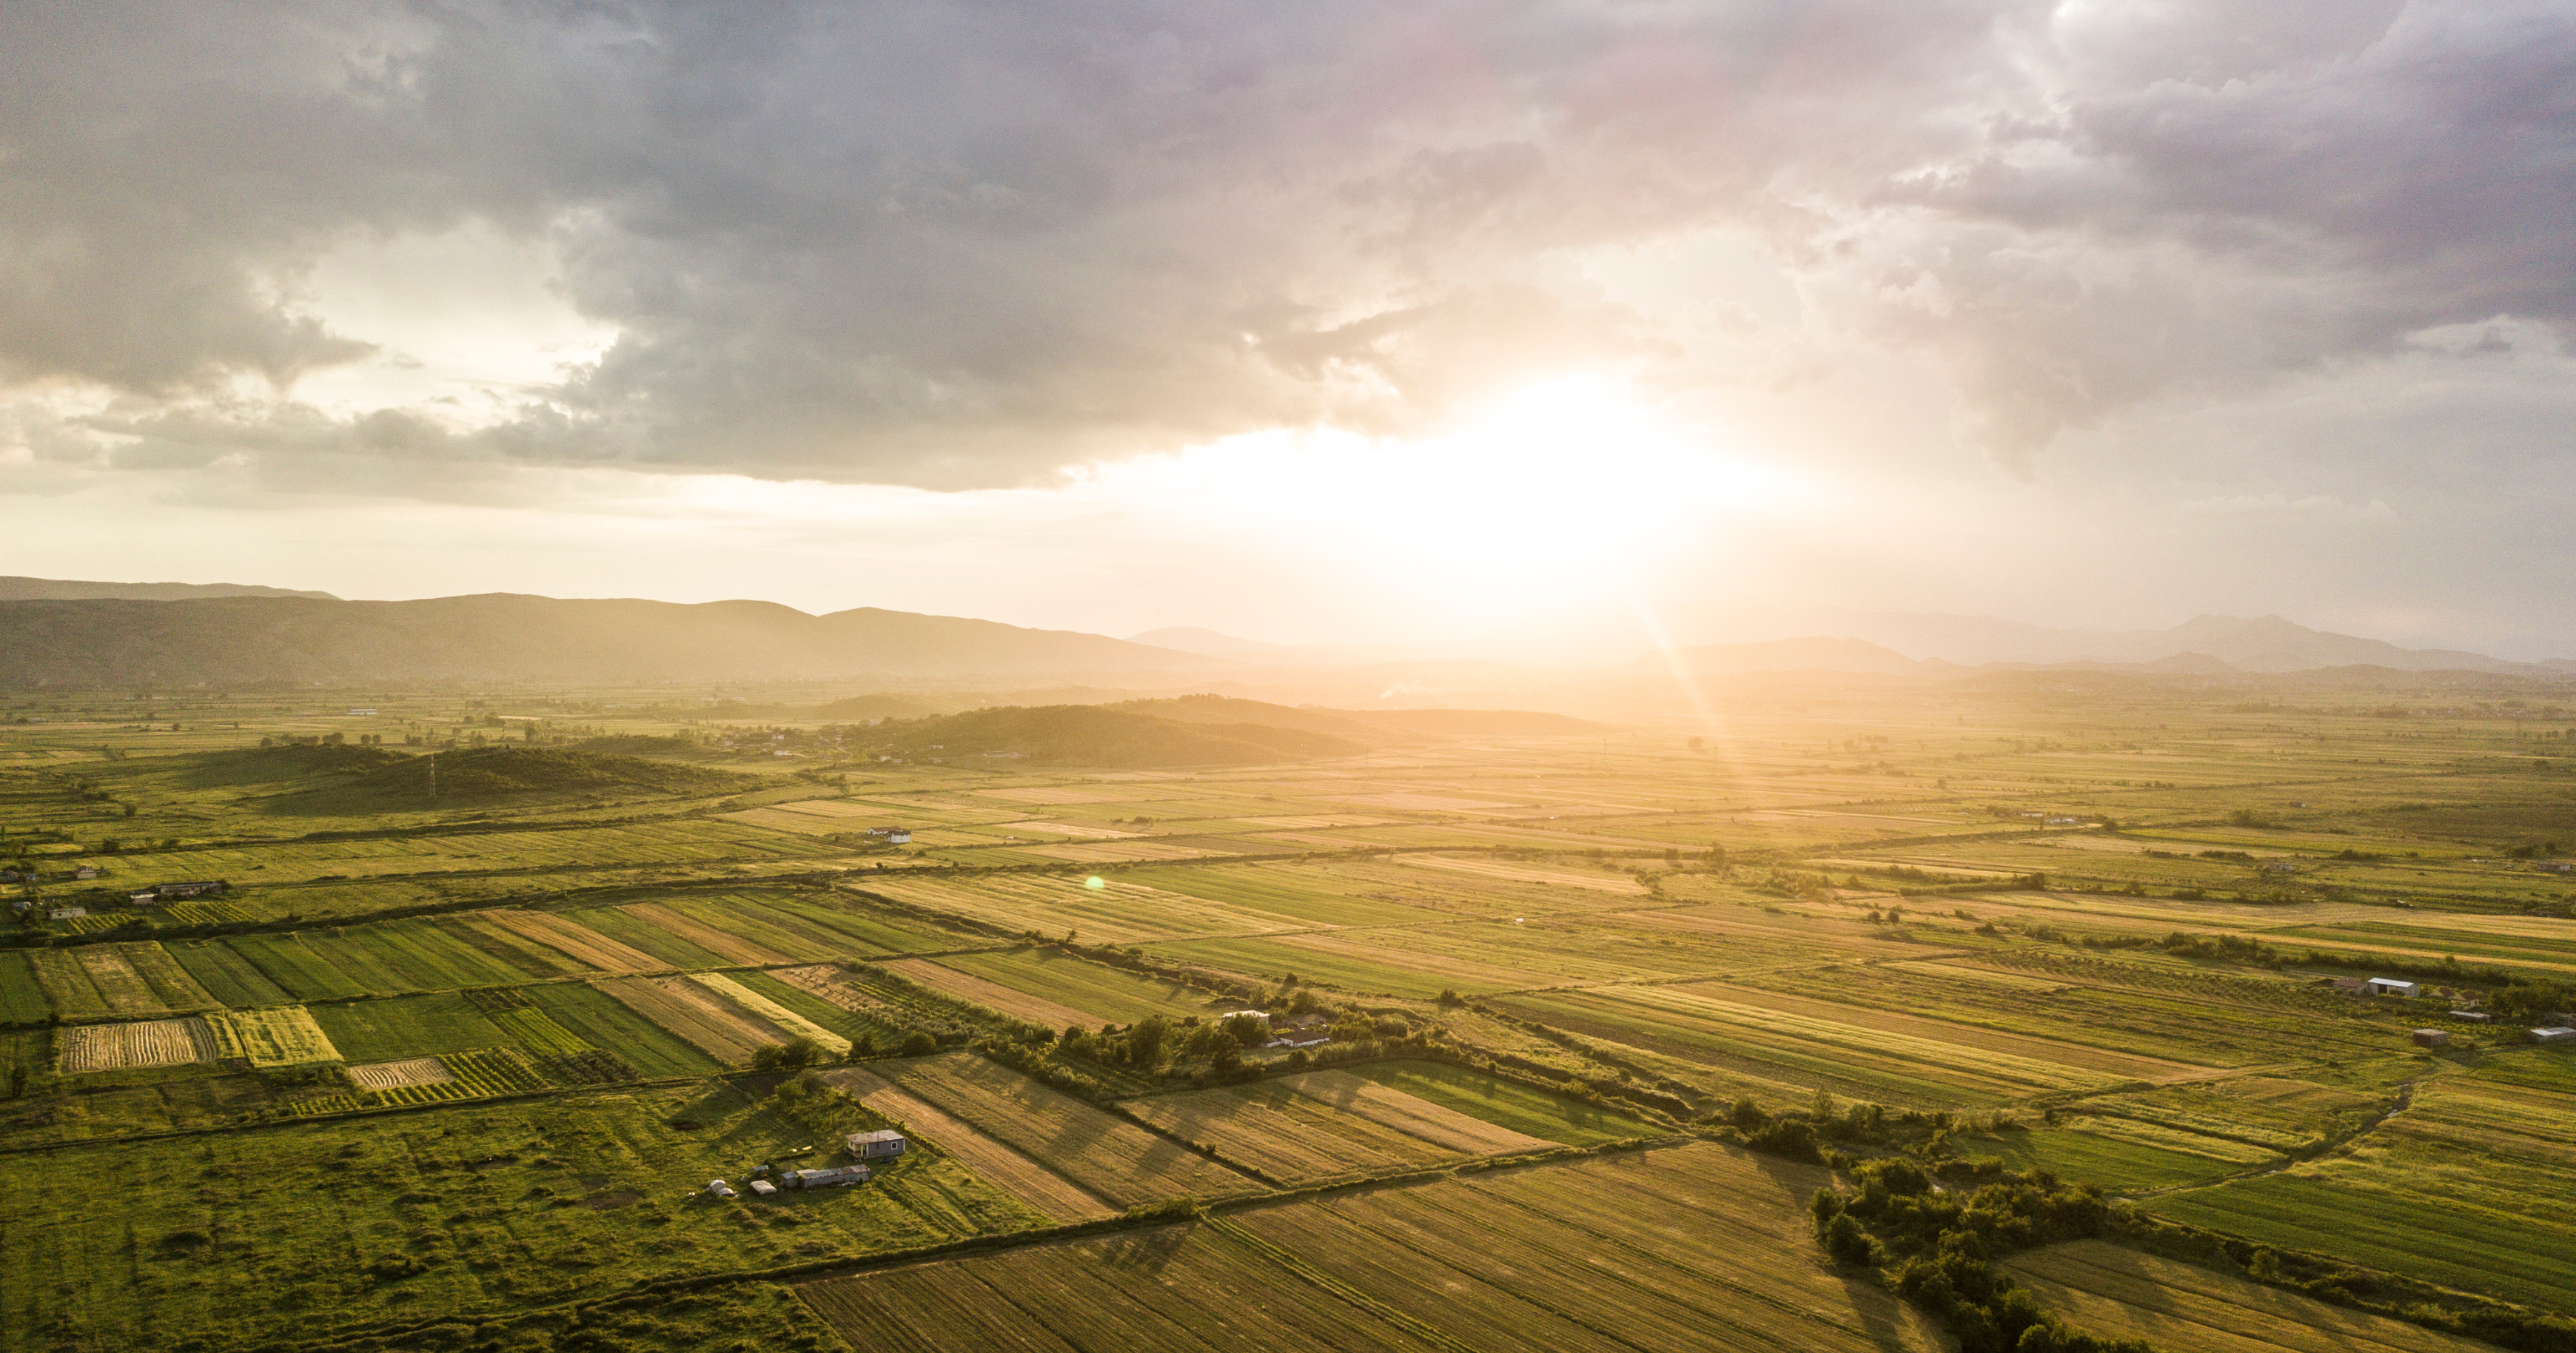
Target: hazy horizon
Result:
[[1317, 326]]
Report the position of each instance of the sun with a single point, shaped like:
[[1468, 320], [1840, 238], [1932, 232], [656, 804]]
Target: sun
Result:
[[1543, 493]]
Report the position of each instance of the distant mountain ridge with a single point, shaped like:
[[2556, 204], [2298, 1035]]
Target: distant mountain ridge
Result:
[[66, 589], [508, 637], [2244, 644], [2204, 645]]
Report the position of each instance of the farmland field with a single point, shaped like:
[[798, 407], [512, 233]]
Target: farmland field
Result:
[[2127, 1295], [405, 1026], [1288, 1136], [1490, 1264], [435, 1079], [1120, 1163], [274, 1037], [1040, 1189], [125, 1047], [697, 1015], [22, 998]]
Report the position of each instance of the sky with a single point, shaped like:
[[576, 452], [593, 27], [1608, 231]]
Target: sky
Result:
[[1323, 323]]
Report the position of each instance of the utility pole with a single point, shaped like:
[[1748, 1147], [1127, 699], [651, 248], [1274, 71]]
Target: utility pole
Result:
[[433, 777]]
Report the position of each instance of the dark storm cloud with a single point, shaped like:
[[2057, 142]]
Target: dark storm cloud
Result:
[[955, 244]]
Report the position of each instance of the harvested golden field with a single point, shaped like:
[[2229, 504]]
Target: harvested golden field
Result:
[[1429, 803], [574, 940], [1118, 852], [1086, 831], [948, 981], [772, 1011], [286, 1036], [1121, 1163], [1599, 881], [1049, 1194], [2153, 1070], [714, 1026], [1412, 1115], [720, 943], [2117, 1293], [392, 1075], [1289, 1137], [1611, 1256], [124, 1047]]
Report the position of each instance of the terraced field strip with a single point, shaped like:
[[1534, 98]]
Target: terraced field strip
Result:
[[1111, 1158], [286, 1036], [123, 988], [1287, 1136], [991, 995], [125, 1047], [574, 940], [2153, 1070], [1775, 1061], [1599, 882], [479, 1074], [67, 985], [1086, 831], [2115, 1293], [1605, 1256], [732, 947], [392, 1075], [771, 1011], [1400, 962], [509, 946], [718, 1028], [1117, 912], [1050, 1194], [22, 997], [1412, 1115], [227, 976], [1105, 993]]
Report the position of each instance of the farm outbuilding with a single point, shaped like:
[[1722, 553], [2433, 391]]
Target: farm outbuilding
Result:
[[717, 1188], [2431, 1038], [2553, 1035], [882, 1144], [2388, 986], [762, 1188]]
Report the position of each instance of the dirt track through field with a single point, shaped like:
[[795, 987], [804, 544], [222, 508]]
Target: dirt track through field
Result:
[[1045, 1191]]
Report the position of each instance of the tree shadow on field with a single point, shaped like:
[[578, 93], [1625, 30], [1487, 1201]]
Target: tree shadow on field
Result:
[[1149, 1251]]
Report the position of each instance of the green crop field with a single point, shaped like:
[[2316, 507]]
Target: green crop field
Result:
[[406, 1026], [22, 999], [1558, 1032]]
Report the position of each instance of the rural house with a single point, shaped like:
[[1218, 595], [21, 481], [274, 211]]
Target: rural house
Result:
[[2431, 1038], [2553, 1035], [191, 888], [881, 1144], [893, 836], [2388, 986]]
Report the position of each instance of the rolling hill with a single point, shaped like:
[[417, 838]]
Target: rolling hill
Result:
[[67, 589], [1100, 735], [235, 641]]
